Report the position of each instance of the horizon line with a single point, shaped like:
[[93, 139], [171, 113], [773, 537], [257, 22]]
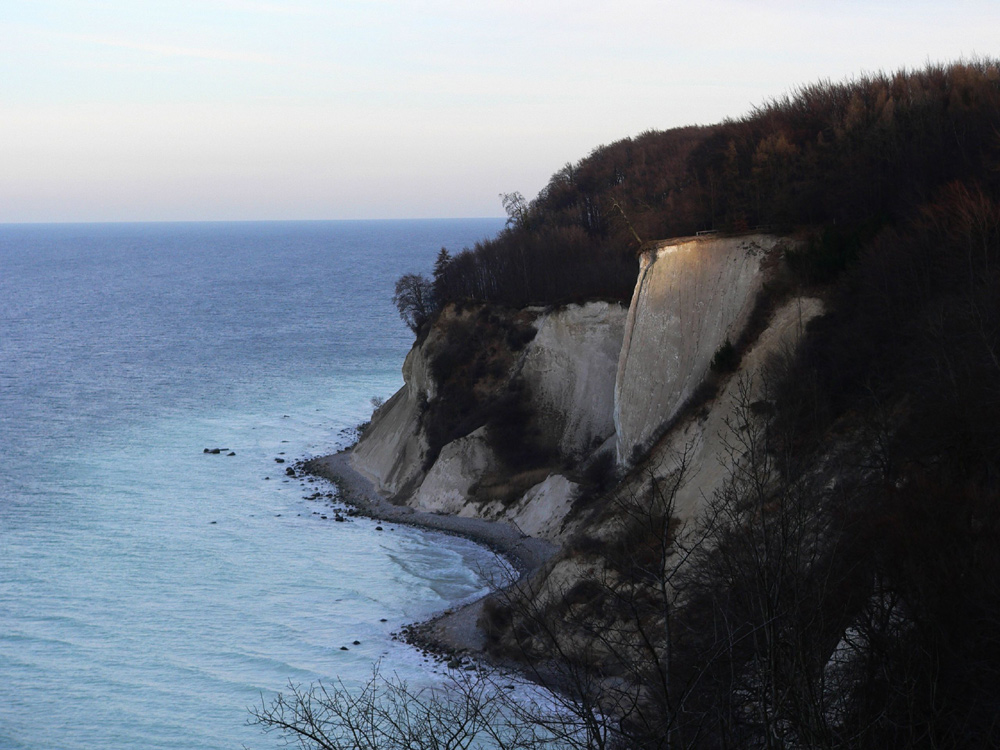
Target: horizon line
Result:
[[73, 222]]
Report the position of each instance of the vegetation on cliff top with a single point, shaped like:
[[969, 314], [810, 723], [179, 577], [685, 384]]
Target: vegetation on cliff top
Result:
[[853, 157], [845, 592]]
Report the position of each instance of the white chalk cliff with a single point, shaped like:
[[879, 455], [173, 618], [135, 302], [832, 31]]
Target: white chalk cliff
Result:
[[596, 376], [448, 484], [570, 367], [392, 452], [705, 442], [691, 296]]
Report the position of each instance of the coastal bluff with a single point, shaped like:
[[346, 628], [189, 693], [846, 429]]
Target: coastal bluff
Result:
[[594, 384], [561, 382], [692, 296]]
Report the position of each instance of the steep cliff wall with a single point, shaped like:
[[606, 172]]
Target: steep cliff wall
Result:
[[458, 468], [567, 376], [595, 541], [691, 296], [705, 441], [592, 375], [391, 454], [570, 368]]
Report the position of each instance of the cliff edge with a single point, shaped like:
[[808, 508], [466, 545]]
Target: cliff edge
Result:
[[692, 295], [512, 415]]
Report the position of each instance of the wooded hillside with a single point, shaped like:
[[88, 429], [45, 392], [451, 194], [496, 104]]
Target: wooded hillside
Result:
[[853, 157], [894, 180]]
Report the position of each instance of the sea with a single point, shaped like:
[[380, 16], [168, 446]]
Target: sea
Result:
[[151, 592]]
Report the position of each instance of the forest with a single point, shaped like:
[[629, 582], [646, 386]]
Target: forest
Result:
[[888, 410], [852, 157]]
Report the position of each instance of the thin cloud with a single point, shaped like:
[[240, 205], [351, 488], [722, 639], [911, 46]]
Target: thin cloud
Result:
[[278, 9], [170, 50]]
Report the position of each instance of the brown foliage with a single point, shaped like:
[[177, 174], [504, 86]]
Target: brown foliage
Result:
[[855, 156], [471, 361]]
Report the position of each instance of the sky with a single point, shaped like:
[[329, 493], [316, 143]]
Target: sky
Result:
[[301, 109]]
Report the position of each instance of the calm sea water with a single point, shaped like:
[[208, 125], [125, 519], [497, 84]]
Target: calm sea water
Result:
[[149, 592]]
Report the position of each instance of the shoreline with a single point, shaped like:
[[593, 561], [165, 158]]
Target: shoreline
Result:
[[454, 632], [524, 552]]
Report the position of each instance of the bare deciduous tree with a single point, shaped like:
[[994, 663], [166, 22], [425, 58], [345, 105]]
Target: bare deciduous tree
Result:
[[472, 709], [414, 298]]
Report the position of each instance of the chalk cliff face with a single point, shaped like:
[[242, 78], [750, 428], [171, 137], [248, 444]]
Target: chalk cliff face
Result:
[[567, 372], [691, 296], [593, 377], [448, 484], [705, 441], [392, 453], [570, 367]]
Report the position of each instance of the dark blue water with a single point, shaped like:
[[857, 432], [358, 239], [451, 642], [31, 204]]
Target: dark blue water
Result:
[[150, 592]]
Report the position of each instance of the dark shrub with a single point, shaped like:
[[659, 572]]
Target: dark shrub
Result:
[[726, 358]]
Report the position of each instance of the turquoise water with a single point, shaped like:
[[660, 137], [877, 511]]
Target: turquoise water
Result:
[[150, 592]]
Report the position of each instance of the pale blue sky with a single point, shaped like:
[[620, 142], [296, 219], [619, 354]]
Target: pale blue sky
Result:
[[245, 109]]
